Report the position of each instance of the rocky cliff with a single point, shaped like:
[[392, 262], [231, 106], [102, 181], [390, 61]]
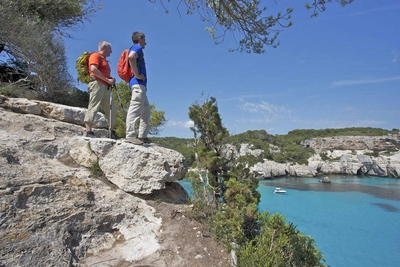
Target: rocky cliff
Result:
[[345, 155], [67, 200]]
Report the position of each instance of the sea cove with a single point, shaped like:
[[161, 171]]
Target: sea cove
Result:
[[355, 221]]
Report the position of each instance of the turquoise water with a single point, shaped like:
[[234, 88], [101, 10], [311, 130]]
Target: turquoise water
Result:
[[354, 221]]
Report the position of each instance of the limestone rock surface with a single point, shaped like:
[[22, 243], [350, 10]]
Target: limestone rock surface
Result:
[[65, 199]]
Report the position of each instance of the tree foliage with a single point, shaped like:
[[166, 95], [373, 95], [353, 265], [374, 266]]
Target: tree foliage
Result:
[[226, 194], [229, 206], [237, 217], [209, 134], [30, 37], [61, 15], [246, 20], [318, 6]]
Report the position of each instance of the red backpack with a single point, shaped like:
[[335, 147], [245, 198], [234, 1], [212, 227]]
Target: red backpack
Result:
[[125, 72]]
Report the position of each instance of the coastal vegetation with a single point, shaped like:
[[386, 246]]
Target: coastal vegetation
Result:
[[226, 200], [280, 148]]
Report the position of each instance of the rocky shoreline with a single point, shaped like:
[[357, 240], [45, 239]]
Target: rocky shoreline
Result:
[[348, 164], [346, 155]]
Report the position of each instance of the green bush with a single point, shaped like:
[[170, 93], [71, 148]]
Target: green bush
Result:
[[279, 244], [236, 219], [279, 157], [7, 91], [203, 199]]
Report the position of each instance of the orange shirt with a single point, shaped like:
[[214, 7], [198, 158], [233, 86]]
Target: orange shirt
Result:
[[102, 64]]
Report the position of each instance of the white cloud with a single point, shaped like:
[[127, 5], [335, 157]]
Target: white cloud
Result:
[[180, 124], [263, 107], [264, 112], [189, 124], [364, 81]]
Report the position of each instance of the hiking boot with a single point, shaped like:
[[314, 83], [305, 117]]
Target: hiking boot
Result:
[[114, 135], [90, 134], [134, 140], [145, 140]]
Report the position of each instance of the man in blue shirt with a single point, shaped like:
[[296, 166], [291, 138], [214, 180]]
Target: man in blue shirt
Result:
[[139, 108]]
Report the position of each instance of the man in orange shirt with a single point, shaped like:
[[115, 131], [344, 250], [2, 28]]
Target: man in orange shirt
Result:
[[99, 70]]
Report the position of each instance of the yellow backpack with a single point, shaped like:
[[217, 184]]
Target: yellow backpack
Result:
[[82, 68]]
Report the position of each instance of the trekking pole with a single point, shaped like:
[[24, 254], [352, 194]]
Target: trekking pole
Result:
[[110, 122], [119, 100]]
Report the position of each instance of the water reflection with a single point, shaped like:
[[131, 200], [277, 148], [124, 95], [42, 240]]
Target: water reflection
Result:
[[387, 207]]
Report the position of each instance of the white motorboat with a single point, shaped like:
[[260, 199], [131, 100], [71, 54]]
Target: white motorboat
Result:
[[279, 191]]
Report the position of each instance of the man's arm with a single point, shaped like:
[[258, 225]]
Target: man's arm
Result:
[[132, 62], [95, 70]]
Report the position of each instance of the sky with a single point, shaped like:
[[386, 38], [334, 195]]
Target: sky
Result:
[[341, 69]]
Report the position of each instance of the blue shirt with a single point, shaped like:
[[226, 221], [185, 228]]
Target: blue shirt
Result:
[[141, 66]]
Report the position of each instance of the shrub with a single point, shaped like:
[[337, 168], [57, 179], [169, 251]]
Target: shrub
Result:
[[7, 91], [237, 217], [279, 244]]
